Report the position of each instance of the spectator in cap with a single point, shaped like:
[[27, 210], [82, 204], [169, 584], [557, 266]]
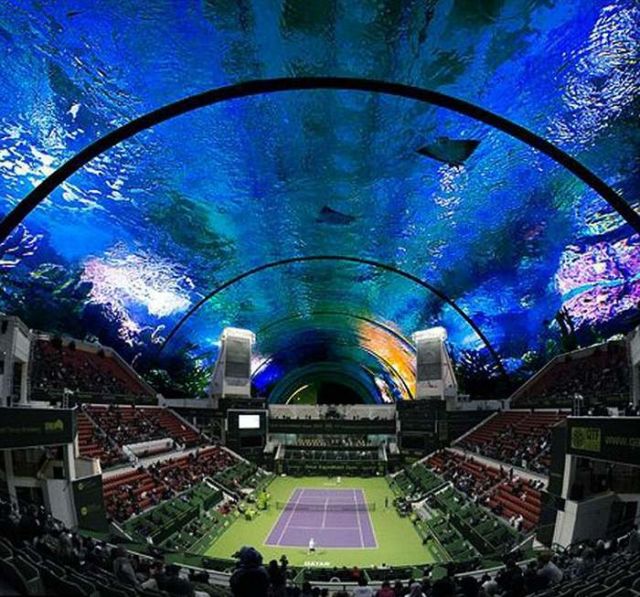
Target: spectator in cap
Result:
[[250, 578]]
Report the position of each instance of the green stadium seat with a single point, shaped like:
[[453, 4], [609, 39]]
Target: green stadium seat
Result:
[[30, 554], [30, 573], [66, 586], [12, 575], [55, 569], [82, 581], [590, 590], [6, 551], [150, 593], [22, 575], [114, 590]]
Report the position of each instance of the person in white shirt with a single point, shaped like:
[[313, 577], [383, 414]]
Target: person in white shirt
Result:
[[363, 590], [312, 545]]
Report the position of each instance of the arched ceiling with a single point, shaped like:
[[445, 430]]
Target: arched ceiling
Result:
[[127, 245]]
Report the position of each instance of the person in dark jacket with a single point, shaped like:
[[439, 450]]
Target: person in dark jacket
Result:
[[175, 585], [278, 579], [250, 578], [122, 567]]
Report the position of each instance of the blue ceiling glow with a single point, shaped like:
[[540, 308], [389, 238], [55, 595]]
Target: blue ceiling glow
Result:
[[132, 241]]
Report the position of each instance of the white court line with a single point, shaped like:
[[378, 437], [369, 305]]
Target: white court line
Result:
[[286, 526], [329, 548], [373, 528], [324, 515], [358, 519], [317, 500], [324, 528], [275, 524]]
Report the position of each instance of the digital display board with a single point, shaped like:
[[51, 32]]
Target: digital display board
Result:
[[25, 427], [249, 422]]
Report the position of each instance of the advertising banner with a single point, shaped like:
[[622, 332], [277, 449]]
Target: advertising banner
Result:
[[89, 503], [29, 427], [613, 439]]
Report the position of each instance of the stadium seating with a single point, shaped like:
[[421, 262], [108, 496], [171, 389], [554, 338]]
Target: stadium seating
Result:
[[242, 475], [39, 556], [129, 424], [173, 427], [462, 530], [600, 374], [519, 438], [178, 523], [416, 481], [81, 368], [512, 499], [616, 574], [506, 494], [132, 492], [103, 431], [182, 472], [469, 476], [93, 443]]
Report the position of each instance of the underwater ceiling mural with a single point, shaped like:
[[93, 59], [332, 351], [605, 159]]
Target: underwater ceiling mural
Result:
[[437, 214]]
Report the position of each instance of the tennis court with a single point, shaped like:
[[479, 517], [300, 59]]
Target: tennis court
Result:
[[334, 518], [398, 543]]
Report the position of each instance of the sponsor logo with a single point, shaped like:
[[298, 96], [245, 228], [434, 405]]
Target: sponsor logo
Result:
[[587, 439], [54, 426], [90, 509]]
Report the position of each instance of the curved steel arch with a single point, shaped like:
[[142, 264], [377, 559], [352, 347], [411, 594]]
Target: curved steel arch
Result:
[[265, 86], [362, 260], [321, 313], [266, 361]]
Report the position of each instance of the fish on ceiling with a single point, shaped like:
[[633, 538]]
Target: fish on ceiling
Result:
[[334, 217], [453, 152]]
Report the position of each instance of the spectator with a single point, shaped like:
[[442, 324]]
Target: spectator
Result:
[[470, 587], [122, 567], [548, 571], [277, 578], [415, 590], [250, 578], [307, 590], [489, 586], [157, 580], [363, 589], [443, 587], [386, 590], [177, 586]]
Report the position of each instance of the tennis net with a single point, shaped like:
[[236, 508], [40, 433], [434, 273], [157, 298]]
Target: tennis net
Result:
[[330, 507]]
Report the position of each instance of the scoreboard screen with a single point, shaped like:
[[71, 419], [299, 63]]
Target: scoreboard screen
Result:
[[246, 429], [248, 421]]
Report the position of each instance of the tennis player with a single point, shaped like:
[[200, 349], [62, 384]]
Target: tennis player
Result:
[[312, 545]]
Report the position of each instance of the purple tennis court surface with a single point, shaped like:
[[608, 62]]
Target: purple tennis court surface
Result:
[[326, 523]]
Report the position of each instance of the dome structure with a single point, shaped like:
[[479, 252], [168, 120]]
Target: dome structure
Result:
[[316, 207]]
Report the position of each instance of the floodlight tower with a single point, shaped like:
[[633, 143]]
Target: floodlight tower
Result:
[[435, 376], [232, 371]]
